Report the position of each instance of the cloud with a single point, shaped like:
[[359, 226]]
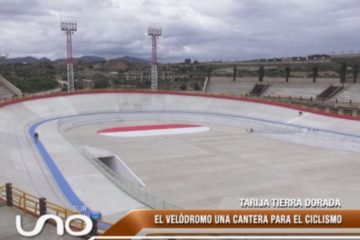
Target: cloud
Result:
[[203, 29]]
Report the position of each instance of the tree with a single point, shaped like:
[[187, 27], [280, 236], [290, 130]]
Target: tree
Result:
[[209, 73], [356, 68], [343, 72], [234, 76], [101, 81], [315, 74], [187, 60], [287, 73], [261, 73], [197, 86], [183, 87]]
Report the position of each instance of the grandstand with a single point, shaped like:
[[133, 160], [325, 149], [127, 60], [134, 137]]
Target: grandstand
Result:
[[226, 85], [350, 92], [295, 90], [303, 80], [329, 92], [275, 87]]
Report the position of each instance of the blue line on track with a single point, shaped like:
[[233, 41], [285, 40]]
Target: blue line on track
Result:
[[58, 176]]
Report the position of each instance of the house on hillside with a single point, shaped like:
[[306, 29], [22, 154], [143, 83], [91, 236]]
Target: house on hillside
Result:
[[145, 76]]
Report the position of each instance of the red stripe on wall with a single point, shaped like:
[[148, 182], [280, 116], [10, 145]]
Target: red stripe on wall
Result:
[[244, 99]]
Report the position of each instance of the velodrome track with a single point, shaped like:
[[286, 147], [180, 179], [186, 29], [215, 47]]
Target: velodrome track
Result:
[[56, 168]]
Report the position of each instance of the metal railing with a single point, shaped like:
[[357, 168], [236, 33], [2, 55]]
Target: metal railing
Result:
[[35, 206]]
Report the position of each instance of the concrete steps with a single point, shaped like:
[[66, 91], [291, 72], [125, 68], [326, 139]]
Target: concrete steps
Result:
[[350, 92]]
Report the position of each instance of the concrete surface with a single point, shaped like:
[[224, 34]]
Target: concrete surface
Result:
[[215, 168], [320, 168], [350, 92], [295, 90]]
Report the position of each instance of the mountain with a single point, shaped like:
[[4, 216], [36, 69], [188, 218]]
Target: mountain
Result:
[[92, 59], [86, 59], [60, 61], [25, 60], [133, 59], [116, 65], [97, 59]]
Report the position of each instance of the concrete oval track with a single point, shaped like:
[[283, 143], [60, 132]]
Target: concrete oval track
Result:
[[71, 180]]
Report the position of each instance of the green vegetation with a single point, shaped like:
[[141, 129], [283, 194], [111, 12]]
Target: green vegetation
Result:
[[101, 81], [343, 72], [261, 73], [187, 75], [349, 60], [183, 87], [197, 86], [275, 72], [30, 77]]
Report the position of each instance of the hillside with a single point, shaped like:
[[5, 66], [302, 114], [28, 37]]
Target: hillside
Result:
[[30, 77], [33, 75]]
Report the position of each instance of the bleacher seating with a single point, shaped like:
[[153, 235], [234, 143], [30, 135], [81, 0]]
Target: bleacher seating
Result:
[[329, 92], [301, 80], [296, 87], [295, 90], [226, 85], [350, 92], [258, 89]]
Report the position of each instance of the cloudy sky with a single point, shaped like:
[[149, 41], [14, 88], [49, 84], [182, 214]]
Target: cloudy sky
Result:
[[201, 29]]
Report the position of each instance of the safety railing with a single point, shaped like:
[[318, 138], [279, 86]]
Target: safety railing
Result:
[[35, 206]]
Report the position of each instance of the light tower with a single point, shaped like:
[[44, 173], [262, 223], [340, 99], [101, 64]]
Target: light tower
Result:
[[69, 26], [155, 32]]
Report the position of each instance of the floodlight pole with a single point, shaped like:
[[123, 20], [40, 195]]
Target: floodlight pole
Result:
[[69, 26], [154, 32]]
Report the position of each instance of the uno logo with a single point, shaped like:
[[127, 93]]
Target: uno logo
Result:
[[60, 225]]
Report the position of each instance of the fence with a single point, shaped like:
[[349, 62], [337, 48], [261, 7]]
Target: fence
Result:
[[39, 206]]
